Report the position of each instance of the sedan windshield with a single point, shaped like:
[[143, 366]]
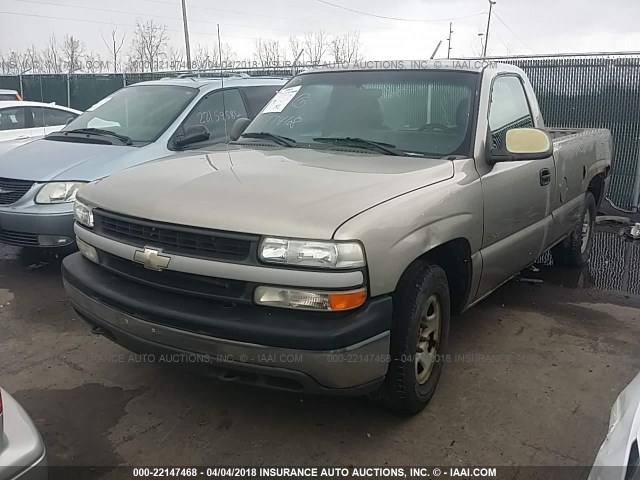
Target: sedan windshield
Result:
[[390, 112], [141, 113]]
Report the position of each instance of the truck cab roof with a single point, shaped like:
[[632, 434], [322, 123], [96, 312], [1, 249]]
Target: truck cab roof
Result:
[[476, 65]]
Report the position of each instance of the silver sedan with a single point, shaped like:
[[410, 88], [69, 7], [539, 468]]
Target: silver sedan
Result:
[[619, 457]]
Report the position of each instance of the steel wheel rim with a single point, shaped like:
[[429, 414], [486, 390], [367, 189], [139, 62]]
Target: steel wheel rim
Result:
[[586, 231], [428, 338]]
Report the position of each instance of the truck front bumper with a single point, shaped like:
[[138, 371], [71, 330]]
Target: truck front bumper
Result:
[[277, 348]]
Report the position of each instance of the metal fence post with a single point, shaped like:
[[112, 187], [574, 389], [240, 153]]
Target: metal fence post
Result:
[[21, 89], [636, 183], [68, 91], [124, 79]]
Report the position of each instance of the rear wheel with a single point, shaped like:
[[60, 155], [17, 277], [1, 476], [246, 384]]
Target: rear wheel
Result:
[[418, 339], [575, 250]]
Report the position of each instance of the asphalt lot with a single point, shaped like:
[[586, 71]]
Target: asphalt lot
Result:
[[542, 365]]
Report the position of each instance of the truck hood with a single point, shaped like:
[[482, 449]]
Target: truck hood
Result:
[[287, 192], [46, 160]]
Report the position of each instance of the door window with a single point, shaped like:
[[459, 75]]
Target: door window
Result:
[[213, 114], [50, 117], [509, 109], [258, 97], [13, 118]]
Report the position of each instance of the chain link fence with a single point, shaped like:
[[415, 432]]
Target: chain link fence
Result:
[[584, 92]]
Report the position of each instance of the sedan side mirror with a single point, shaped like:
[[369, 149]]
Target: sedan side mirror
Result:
[[192, 134], [522, 144], [239, 126]]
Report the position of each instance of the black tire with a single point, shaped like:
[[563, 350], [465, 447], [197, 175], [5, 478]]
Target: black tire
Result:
[[569, 252], [401, 390]]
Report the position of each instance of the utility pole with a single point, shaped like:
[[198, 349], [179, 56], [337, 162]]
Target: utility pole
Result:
[[186, 33], [486, 37], [449, 39]]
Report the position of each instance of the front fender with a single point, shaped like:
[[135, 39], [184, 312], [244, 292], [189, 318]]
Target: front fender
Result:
[[397, 232]]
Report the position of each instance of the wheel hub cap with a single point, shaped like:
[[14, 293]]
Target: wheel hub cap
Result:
[[428, 338]]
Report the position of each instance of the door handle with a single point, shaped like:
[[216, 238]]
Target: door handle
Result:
[[545, 177], [24, 137]]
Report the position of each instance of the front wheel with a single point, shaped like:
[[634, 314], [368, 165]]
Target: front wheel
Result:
[[419, 337], [575, 250]]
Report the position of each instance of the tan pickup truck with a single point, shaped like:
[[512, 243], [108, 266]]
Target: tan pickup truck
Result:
[[326, 249]]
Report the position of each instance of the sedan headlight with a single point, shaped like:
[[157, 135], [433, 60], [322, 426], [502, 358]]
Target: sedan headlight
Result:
[[58, 192], [311, 253], [83, 214]]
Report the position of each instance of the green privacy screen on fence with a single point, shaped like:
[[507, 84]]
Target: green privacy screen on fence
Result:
[[593, 92], [599, 93]]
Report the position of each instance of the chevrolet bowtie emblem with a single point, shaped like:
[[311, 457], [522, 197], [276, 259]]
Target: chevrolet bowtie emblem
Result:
[[151, 259]]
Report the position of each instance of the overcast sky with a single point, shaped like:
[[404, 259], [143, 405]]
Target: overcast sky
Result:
[[519, 26]]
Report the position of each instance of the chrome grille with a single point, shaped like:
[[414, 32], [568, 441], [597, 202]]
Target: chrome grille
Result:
[[176, 239]]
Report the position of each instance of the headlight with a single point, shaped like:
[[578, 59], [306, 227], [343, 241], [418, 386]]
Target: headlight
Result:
[[83, 214], [58, 192], [310, 253]]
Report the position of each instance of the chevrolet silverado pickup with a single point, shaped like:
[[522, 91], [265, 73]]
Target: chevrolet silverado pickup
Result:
[[326, 248]]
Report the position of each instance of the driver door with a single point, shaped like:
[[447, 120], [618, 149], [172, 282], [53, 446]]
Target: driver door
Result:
[[517, 195]]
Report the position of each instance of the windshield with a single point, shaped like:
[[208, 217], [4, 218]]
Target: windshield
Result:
[[141, 113], [421, 112]]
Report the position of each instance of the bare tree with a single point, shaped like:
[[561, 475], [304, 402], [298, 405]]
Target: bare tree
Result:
[[93, 63], [32, 58], [295, 48], [4, 64], [176, 59], [226, 55], [149, 44], [16, 63], [201, 58], [268, 52], [72, 52], [52, 57], [114, 45], [315, 46], [346, 48]]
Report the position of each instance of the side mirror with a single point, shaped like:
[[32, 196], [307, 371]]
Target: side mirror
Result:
[[522, 144], [239, 126], [192, 134], [69, 120]]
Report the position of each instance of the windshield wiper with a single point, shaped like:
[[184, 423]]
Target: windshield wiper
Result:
[[99, 131], [381, 147], [279, 139]]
